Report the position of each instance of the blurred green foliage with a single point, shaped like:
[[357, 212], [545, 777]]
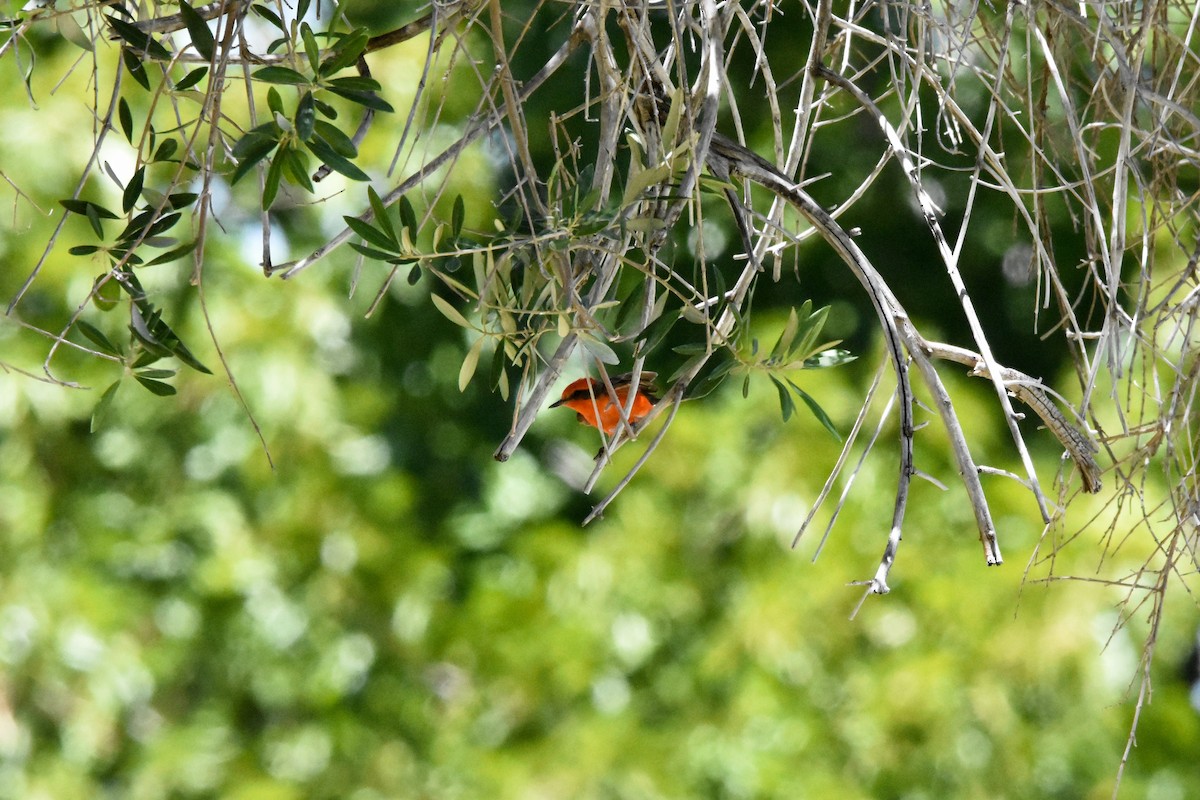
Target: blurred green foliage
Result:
[[377, 610]]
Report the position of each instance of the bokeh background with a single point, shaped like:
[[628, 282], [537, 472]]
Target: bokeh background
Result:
[[360, 603]]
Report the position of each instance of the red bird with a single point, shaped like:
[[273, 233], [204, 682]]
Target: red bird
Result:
[[590, 400]]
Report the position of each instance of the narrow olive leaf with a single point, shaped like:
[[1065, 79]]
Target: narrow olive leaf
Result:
[[125, 117], [345, 52], [82, 206], [470, 364], [330, 157], [137, 70], [84, 249], [342, 144], [94, 218], [269, 15], [783, 344], [101, 412], [202, 38], [371, 252], [310, 46], [302, 8], [355, 84], [146, 359], [172, 255], [255, 151], [408, 218], [97, 337], [275, 103], [382, 218], [368, 99], [156, 387], [816, 410], [158, 373], [457, 216], [599, 349], [786, 406], [271, 184], [181, 199], [133, 189], [448, 311], [306, 116], [166, 150], [191, 79], [325, 109], [414, 275], [296, 165], [138, 39], [277, 74], [371, 235]]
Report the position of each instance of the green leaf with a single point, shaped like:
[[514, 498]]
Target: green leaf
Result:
[[125, 117], [356, 83], [277, 74], [408, 218], [271, 184], [274, 102], [598, 349], [138, 39], [181, 199], [158, 373], [156, 387], [172, 255], [470, 364], [133, 189], [97, 337], [372, 235], [296, 165], [334, 161], [346, 52], [269, 15], [783, 344], [371, 252], [202, 38], [368, 99], [82, 207], [382, 218], [306, 116], [414, 275], [84, 249], [166, 150], [457, 216], [250, 151], [310, 45], [137, 70], [342, 144], [327, 110], [816, 410], [449, 312], [103, 408], [786, 406], [191, 79]]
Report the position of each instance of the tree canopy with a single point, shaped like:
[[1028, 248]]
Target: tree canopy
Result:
[[290, 288]]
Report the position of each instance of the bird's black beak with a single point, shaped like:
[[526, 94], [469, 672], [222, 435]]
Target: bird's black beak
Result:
[[558, 403]]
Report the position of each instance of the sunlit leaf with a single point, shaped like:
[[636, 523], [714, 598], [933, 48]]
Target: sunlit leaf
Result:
[[448, 311]]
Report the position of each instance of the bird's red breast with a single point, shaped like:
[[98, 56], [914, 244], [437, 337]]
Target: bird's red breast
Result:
[[591, 401]]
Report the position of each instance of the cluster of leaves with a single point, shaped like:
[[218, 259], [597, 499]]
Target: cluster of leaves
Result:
[[151, 340], [798, 347], [288, 136]]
